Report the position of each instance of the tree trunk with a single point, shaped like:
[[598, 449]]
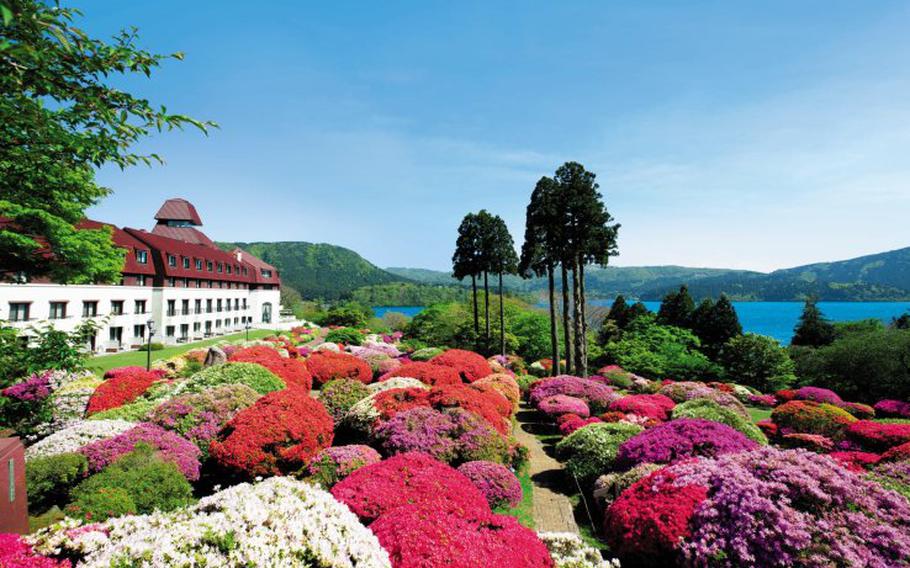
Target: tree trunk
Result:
[[566, 329], [554, 339], [576, 318], [486, 306], [502, 320], [584, 319], [474, 296]]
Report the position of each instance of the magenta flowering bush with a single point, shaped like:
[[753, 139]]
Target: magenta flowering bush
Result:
[[170, 448], [765, 400], [36, 387], [451, 435], [598, 396], [16, 553], [331, 465], [819, 394], [893, 408], [681, 439], [495, 481], [560, 404]]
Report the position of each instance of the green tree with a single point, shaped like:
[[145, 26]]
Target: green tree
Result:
[[61, 117], [715, 323], [676, 308], [619, 312], [466, 261], [502, 260], [758, 361], [901, 322], [813, 330]]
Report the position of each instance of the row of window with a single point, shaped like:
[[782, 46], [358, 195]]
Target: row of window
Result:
[[185, 262], [221, 305], [21, 311], [115, 334], [194, 283]]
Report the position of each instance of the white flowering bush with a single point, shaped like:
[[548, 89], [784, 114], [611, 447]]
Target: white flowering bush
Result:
[[277, 522], [328, 347], [363, 415], [68, 400], [397, 383], [568, 551], [73, 437]]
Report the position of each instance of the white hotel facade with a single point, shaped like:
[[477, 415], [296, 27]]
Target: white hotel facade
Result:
[[174, 276]]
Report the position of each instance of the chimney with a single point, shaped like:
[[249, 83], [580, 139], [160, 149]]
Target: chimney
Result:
[[239, 254]]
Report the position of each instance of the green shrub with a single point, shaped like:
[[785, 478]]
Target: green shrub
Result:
[[252, 375], [758, 361], [524, 382], [345, 335], [191, 368], [710, 410], [348, 314], [340, 395], [49, 479], [153, 346], [150, 483], [591, 450], [134, 411], [426, 353], [102, 504]]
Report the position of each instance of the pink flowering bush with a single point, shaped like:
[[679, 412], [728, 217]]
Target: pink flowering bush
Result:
[[597, 395], [16, 553], [893, 408], [656, 406], [495, 482], [813, 442], [681, 439], [763, 400], [569, 423], [331, 465], [877, 436], [170, 448], [560, 404], [819, 394]]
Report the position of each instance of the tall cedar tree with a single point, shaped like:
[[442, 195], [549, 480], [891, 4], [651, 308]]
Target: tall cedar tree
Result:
[[589, 238], [502, 260], [813, 330], [676, 308], [486, 228], [466, 259], [715, 323], [541, 234], [60, 119], [619, 312]]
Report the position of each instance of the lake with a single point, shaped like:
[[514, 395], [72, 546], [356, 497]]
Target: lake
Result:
[[775, 319]]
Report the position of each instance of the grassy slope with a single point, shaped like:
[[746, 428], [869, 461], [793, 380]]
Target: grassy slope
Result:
[[103, 363], [524, 512]]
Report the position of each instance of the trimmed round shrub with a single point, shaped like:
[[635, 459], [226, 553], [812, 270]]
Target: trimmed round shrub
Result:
[[503, 407], [293, 372], [252, 375], [409, 479], [419, 537], [559, 404], [654, 406], [329, 366], [766, 507], [598, 396], [679, 440], [893, 409], [331, 465], [462, 396], [569, 423], [123, 387], [495, 481], [470, 365], [504, 384], [813, 442], [685, 390], [280, 433], [608, 487], [450, 435], [345, 336], [591, 450], [710, 410], [170, 447], [340, 395], [101, 504], [426, 353], [807, 417], [877, 436], [818, 394], [426, 373], [151, 483], [49, 479]]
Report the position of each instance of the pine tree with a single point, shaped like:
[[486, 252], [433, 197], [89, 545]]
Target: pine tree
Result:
[[466, 260], [715, 323], [619, 312], [502, 260], [676, 308], [813, 330]]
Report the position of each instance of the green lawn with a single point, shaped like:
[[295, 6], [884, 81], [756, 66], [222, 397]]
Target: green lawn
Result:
[[102, 363], [759, 414], [524, 512]]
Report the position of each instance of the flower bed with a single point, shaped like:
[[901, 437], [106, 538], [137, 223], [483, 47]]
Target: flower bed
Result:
[[470, 365], [170, 447], [499, 485], [122, 388], [329, 366], [877, 436], [681, 439]]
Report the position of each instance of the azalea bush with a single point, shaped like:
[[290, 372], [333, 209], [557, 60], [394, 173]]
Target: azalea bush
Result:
[[591, 450], [569, 423], [469, 365], [568, 550], [877, 436], [331, 465], [809, 417], [329, 366], [252, 375], [122, 388], [818, 394], [280, 433], [495, 481], [74, 437], [560, 404], [710, 410], [340, 395], [679, 440], [293, 372], [655, 406], [427, 373], [15, 552], [472, 400], [504, 384], [893, 408], [597, 395], [171, 447]]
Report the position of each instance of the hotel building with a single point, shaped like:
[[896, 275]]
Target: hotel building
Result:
[[173, 276]]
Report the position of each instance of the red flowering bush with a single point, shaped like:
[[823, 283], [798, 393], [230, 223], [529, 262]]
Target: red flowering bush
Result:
[[16, 553], [329, 366], [647, 521], [856, 461], [878, 436], [280, 433], [124, 387], [503, 406], [421, 537], [293, 372], [447, 396], [504, 384], [612, 416], [897, 453], [131, 369], [391, 402], [409, 479], [426, 373], [814, 442], [656, 406], [569, 423], [469, 365], [768, 427], [785, 395], [807, 417]]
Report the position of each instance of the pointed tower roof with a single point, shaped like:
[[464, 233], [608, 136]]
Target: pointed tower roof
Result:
[[178, 209]]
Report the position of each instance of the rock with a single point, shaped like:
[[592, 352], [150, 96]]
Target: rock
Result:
[[215, 356]]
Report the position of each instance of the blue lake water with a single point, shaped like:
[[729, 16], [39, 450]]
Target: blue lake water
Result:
[[775, 319]]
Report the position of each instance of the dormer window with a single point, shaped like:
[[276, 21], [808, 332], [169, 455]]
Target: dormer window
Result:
[[171, 260], [266, 273], [198, 264], [229, 268], [220, 267], [210, 266], [186, 262], [142, 256]]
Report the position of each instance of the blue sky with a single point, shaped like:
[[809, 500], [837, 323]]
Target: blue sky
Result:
[[733, 134]]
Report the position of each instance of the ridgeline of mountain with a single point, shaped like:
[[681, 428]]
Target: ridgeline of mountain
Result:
[[877, 277], [318, 270]]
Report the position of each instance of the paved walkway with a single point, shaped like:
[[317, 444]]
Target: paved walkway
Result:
[[553, 511]]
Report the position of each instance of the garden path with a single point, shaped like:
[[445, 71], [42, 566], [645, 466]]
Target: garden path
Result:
[[553, 511]]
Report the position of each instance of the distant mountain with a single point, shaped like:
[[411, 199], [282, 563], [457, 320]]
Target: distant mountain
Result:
[[318, 270]]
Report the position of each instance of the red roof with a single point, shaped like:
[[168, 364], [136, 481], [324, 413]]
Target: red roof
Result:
[[256, 266], [123, 239], [187, 234], [164, 247], [177, 209]]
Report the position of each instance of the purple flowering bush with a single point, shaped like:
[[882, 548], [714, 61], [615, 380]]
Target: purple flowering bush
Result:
[[451, 435], [679, 440], [598, 396], [893, 408], [560, 404], [819, 394], [331, 465], [169, 446], [496, 482]]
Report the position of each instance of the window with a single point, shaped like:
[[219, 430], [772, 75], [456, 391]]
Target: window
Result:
[[244, 303], [198, 306], [184, 330], [266, 273], [219, 305], [208, 327], [220, 267], [90, 309], [236, 321], [196, 327], [18, 311], [116, 335], [236, 303], [267, 312], [58, 310], [171, 260], [142, 256], [208, 306], [198, 264], [210, 266], [171, 282], [117, 307], [217, 323], [244, 270], [171, 307], [229, 269], [140, 280], [139, 331], [169, 331], [186, 262], [139, 307], [227, 308]]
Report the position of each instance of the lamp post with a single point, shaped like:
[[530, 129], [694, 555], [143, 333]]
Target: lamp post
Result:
[[150, 324], [247, 328]]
